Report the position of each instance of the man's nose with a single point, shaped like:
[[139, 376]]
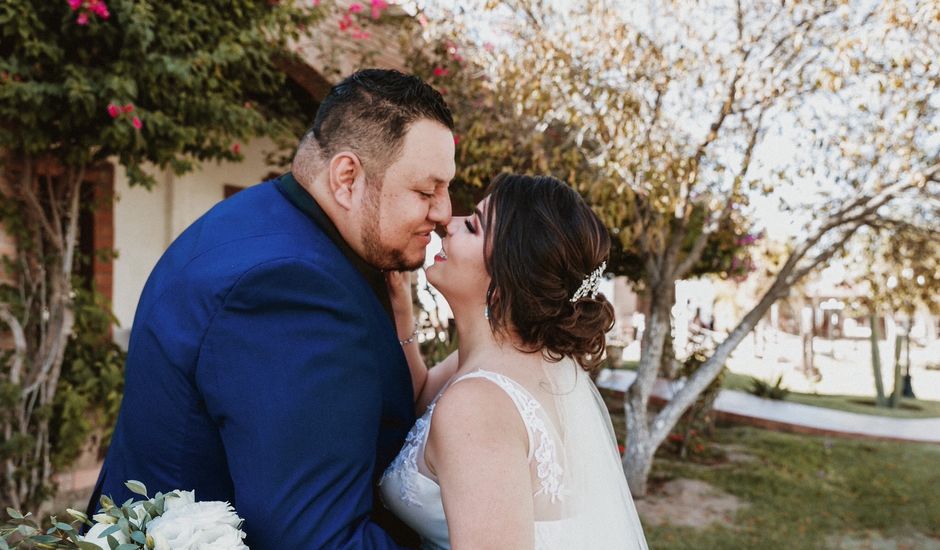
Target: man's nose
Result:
[[440, 214]]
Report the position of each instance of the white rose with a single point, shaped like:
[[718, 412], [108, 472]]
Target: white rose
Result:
[[94, 536], [220, 537], [171, 533], [188, 526], [182, 498]]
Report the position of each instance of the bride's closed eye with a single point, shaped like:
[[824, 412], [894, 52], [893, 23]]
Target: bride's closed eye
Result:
[[469, 225]]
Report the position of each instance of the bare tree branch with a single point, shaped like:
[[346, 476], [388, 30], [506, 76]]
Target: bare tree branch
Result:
[[19, 343]]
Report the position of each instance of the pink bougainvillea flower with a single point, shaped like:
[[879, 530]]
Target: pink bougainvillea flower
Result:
[[75, 4], [345, 22], [316, 3], [82, 19], [236, 148], [129, 108], [355, 7], [101, 10], [377, 7], [456, 139], [114, 110], [360, 34], [137, 123], [440, 71]]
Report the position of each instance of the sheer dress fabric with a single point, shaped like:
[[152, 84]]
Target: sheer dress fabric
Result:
[[580, 495]]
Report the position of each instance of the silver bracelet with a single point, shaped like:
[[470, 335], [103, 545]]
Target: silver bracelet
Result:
[[411, 338]]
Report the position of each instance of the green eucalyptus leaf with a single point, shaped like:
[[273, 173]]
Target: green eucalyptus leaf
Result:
[[80, 516], [27, 530], [137, 487], [139, 537], [14, 514]]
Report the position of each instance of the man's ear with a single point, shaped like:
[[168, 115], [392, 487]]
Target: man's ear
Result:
[[345, 168]]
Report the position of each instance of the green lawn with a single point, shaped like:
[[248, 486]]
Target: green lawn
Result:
[[804, 490]]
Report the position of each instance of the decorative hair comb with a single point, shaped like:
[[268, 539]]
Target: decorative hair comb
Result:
[[590, 284]]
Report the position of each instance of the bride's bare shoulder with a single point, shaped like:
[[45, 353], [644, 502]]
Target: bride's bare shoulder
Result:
[[475, 412]]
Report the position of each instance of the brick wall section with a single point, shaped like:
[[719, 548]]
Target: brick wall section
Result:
[[102, 180]]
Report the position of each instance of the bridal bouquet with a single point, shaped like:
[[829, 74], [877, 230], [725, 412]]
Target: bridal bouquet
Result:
[[172, 521]]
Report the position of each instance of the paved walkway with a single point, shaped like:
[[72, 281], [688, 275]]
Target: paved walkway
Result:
[[796, 417]]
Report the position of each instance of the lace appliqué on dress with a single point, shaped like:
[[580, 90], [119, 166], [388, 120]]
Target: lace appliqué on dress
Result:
[[405, 465], [548, 468]]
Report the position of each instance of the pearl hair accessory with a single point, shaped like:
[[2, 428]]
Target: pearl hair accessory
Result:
[[590, 284]]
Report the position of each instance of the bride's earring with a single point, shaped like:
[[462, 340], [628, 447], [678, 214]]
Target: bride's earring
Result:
[[486, 308]]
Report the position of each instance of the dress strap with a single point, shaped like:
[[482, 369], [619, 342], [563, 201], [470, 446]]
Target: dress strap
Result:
[[541, 444]]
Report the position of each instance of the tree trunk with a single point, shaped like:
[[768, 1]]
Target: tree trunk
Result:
[[640, 448], [876, 361], [669, 367], [638, 468], [46, 247], [644, 436]]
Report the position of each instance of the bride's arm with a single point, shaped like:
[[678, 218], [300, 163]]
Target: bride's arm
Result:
[[478, 449], [425, 383]]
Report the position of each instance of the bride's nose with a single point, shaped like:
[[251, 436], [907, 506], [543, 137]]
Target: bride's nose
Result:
[[448, 230]]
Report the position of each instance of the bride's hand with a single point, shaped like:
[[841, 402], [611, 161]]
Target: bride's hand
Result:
[[399, 291]]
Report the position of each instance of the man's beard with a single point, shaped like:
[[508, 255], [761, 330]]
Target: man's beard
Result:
[[377, 254]]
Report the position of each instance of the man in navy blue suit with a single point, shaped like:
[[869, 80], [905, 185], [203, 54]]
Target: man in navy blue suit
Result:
[[264, 366]]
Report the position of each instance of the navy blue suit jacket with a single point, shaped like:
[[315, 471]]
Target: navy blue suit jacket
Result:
[[263, 370]]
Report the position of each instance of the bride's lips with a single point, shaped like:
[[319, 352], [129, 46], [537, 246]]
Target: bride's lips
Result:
[[441, 256]]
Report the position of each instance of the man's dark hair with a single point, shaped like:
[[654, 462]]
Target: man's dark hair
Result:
[[370, 112]]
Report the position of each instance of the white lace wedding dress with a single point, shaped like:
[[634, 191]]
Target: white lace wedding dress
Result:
[[579, 491]]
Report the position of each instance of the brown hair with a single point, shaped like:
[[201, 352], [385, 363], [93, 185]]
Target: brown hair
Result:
[[543, 240]]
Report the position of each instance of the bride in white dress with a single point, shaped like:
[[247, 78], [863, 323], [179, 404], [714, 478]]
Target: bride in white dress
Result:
[[514, 447]]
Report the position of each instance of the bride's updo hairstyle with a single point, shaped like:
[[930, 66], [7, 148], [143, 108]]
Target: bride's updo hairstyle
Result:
[[542, 242]]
